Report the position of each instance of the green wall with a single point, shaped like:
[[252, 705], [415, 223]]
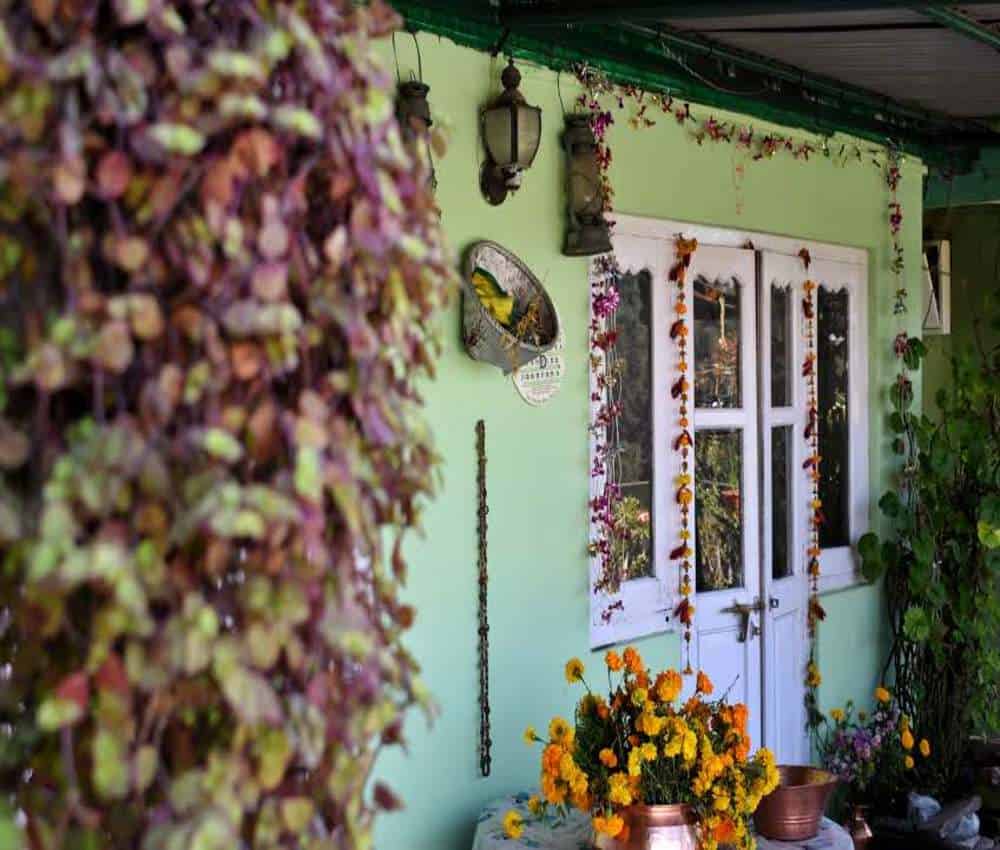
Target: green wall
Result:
[[974, 232], [538, 457]]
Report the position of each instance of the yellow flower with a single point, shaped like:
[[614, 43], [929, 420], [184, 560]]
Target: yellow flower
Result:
[[574, 670], [668, 686], [619, 790], [648, 752], [608, 757], [689, 749], [720, 803], [813, 678], [639, 697], [560, 731], [836, 714], [530, 736], [908, 761], [513, 824], [925, 747], [882, 695], [634, 763], [907, 739], [535, 805], [613, 660], [609, 826]]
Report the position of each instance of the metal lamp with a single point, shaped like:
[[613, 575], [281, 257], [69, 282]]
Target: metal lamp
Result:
[[412, 108], [588, 232], [512, 131]]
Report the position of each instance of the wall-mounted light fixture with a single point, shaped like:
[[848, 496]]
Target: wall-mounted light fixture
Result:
[[587, 232], [511, 130], [412, 109]]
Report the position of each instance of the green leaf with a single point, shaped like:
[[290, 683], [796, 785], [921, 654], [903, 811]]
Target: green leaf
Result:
[[890, 504], [177, 138], [870, 551], [111, 768], [221, 444], [916, 624]]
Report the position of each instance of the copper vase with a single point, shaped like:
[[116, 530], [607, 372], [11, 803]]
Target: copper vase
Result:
[[857, 826], [657, 828]]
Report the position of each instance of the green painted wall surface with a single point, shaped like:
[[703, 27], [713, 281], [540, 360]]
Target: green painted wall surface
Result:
[[538, 457], [974, 232], [980, 186]]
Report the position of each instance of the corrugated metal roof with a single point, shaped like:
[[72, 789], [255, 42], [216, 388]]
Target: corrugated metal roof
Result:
[[896, 52]]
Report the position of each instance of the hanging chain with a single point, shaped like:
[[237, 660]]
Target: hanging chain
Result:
[[485, 741]]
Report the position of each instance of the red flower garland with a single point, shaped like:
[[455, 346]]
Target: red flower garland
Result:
[[680, 389]]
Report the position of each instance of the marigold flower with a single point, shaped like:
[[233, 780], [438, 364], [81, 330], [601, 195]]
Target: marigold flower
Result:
[[613, 660], [925, 747], [513, 824], [619, 790], [648, 752], [907, 739], [668, 683], [639, 697], [574, 670], [882, 695], [836, 714], [720, 803], [608, 757], [535, 805], [704, 685], [813, 677], [908, 761], [724, 831], [560, 731], [530, 735], [633, 661], [609, 826]]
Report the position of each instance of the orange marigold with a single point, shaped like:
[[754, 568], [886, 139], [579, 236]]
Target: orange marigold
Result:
[[613, 660], [608, 757], [633, 661], [704, 685], [668, 685]]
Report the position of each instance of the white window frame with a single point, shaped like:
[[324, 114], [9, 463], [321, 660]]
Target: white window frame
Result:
[[647, 604]]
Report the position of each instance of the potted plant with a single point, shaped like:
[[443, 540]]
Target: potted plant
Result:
[[646, 766], [874, 755]]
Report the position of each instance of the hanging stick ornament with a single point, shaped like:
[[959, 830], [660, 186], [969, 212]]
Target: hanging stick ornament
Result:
[[680, 390], [812, 466], [485, 741]]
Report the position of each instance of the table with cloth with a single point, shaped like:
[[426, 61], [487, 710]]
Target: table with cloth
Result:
[[574, 832]]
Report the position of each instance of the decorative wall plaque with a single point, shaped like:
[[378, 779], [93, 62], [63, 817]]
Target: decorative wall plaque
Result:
[[539, 380]]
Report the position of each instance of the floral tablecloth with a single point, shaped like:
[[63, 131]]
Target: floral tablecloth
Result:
[[574, 833]]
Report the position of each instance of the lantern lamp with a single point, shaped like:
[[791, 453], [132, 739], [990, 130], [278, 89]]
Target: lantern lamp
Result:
[[412, 109], [512, 131], [587, 232]]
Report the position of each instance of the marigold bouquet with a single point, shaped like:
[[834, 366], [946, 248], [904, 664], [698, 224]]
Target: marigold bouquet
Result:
[[872, 754], [640, 745]]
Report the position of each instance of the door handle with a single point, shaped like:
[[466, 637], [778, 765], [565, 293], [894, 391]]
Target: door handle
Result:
[[743, 610]]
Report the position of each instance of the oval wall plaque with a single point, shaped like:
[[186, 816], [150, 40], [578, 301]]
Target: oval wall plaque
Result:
[[539, 380]]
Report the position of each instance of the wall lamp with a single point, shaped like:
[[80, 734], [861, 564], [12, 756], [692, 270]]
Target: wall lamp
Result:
[[512, 131]]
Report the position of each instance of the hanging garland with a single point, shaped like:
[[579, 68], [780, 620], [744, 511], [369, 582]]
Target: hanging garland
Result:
[[606, 368], [810, 433], [680, 390]]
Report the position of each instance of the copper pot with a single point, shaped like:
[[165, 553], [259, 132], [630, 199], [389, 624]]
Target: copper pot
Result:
[[793, 811], [657, 828], [861, 832]]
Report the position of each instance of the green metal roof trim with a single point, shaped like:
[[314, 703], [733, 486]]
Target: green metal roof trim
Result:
[[634, 54]]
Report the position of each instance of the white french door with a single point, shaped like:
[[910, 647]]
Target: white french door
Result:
[[747, 412]]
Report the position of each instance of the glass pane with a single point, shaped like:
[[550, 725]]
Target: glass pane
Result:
[[718, 509], [781, 347], [832, 379], [634, 357], [781, 482], [717, 335]]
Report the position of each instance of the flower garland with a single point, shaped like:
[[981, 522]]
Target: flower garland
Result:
[[757, 145], [812, 462], [679, 390]]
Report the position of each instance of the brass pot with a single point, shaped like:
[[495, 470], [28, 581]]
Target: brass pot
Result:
[[657, 828], [857, 825], [793, 811]]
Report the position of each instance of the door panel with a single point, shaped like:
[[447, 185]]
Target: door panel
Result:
[[722, 289]]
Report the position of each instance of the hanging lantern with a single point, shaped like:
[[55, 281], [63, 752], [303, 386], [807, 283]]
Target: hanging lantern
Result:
[[511, 130], [588, 232], [412, 109]]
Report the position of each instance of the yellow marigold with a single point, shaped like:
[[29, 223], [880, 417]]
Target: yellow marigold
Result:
[[689, 749], [907, 739], [648, 752], [813, 677], [613, 660], [567, 768], [882, 695], [668, 685], [609, 826], [836, 714], [513, 824], [720, 803], [639, 697], [925, 747], [608, 757], [619, 790], [535, 805], [908, 761], [560, 731], [530, 735], [574, 670], [554, 792], [704, 685], [633, 661], [634, 762]]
